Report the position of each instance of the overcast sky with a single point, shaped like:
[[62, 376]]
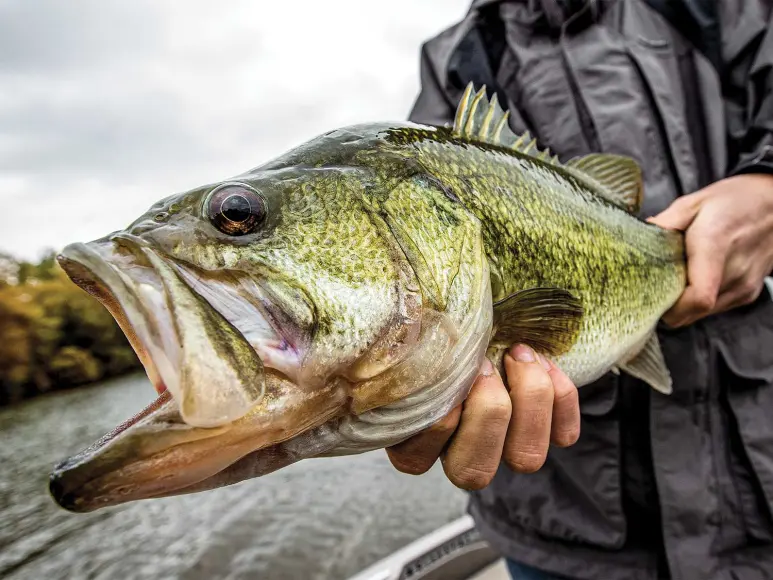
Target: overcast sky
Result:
[[106, 107]]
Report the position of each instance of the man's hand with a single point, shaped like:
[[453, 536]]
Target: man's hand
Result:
[[495, 423], [729, 243]]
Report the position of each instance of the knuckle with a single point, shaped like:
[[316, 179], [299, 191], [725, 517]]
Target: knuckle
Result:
[[705, 301], [525, 461], [684, 319], [750, 291], [672, 320], [497, 411], [567, 397], [410, 464], [469, 477], [538, 385], [566, 437], [535, 420], [445, 427]]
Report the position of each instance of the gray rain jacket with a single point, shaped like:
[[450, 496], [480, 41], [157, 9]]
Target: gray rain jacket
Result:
[[679, 484]]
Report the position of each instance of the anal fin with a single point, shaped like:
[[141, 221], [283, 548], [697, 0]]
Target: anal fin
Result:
[[650, 366]]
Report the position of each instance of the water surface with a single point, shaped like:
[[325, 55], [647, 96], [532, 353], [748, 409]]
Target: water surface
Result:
[[317, 519]]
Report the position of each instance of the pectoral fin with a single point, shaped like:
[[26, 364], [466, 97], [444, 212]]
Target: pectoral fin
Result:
[[546, 319], [650, 366]]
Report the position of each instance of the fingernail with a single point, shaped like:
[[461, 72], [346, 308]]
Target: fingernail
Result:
[[486, 368], [544, 362], [523, 353]]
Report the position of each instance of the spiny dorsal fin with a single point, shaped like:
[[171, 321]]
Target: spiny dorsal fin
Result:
[[479, 119], [613, 177], [619, 177]]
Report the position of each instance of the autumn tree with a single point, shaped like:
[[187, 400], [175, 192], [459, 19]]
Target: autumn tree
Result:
[[52, 334]]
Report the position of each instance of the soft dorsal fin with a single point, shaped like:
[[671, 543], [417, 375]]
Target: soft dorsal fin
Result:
[[614, 177], [619, 177], [479, 119]]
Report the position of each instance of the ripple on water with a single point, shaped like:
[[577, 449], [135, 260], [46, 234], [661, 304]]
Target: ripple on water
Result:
[[318, 519]]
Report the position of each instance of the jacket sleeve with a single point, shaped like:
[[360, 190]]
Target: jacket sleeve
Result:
[[432, 106], [747, 31]]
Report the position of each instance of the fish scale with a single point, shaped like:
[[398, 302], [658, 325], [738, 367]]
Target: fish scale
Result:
[[544, 230]]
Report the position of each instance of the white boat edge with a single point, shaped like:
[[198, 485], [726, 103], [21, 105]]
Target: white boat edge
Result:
[[455, 551]]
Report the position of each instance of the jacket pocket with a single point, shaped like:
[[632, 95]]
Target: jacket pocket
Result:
[[576, 495], [746, 349], [744, 336]]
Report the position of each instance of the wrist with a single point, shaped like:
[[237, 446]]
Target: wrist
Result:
[[756, 178]]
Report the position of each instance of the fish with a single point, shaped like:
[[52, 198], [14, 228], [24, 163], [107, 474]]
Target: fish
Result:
[[342, 297]]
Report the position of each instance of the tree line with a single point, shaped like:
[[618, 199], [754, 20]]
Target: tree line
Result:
[[52, 334]]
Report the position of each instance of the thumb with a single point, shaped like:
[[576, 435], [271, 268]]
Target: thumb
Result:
[[679, 215]]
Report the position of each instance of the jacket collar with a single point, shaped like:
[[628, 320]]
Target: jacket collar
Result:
[[557, 13]]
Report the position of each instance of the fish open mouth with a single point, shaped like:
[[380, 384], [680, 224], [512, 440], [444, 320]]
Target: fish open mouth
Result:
[[204, 371], [221, 416], [129, 288], [186, 346]]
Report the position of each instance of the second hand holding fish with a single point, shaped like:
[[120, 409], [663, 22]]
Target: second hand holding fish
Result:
[[729, 243]]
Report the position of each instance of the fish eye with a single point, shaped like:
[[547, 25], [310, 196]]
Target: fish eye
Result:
[[236, 209]]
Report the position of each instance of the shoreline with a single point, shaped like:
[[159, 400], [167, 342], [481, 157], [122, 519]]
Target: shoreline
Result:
[[103, 381]]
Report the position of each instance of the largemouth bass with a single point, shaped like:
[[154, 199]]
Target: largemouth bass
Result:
[[342, 297]]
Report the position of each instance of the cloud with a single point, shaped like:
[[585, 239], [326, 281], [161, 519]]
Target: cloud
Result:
[[107, 107]]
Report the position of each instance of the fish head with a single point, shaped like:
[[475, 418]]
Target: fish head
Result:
[[254, 305]]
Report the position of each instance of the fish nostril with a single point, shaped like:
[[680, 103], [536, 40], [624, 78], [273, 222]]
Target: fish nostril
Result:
[[143, 227], [131, 238]]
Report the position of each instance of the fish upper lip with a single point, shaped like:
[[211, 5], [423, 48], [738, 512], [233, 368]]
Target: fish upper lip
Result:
[[265, 304], [104, 280]]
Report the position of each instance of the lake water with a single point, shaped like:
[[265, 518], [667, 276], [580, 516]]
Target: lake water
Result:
[[317, 519]]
